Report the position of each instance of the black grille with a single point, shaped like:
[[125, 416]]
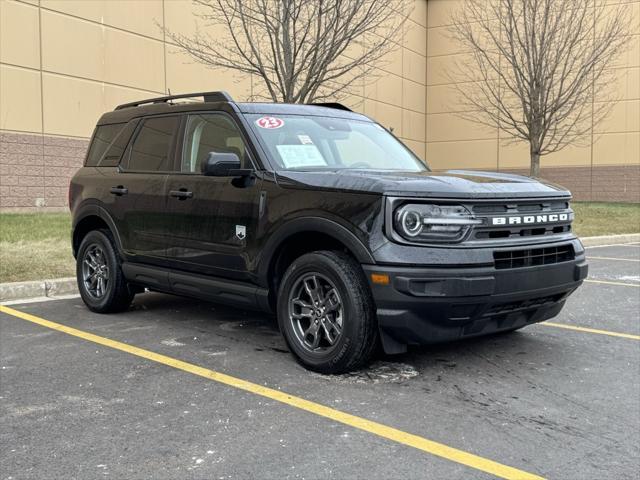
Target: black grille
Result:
[[542, 207], [533, 256], [530, 207], [510, 307], [522, 232]]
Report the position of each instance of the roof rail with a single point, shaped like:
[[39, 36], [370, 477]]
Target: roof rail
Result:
[[335, 105], [207, 96]]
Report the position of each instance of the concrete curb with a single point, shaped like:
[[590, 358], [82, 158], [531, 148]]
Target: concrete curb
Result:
[[38, 288], [67, 286], [610, 239]]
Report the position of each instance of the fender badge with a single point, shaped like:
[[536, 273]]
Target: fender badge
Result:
[[241, 231]]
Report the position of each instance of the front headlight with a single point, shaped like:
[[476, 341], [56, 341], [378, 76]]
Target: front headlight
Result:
[[433, 223]]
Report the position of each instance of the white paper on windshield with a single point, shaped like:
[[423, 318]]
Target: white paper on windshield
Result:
[[301, 156]]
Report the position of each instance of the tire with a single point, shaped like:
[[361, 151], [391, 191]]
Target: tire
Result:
[[331, 278], [98, 255]]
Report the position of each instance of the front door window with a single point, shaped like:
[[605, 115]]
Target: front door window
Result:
[[210, 132]]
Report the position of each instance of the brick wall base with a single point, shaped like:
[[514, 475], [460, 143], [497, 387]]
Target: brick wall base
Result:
[[610, 183], [35, 172]]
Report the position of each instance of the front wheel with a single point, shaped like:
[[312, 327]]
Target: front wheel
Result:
[[326, 312], [101, 282]]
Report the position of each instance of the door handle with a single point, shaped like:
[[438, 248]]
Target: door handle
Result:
[[181, 194], [119, 190]]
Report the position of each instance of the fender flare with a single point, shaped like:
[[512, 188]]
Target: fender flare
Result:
[[95, 210], [312, 224]]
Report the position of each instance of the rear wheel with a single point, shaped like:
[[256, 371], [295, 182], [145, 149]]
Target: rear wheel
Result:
[[101, 283], [326, 313]]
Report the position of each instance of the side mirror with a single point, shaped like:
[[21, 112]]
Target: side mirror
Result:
[[223, 165]]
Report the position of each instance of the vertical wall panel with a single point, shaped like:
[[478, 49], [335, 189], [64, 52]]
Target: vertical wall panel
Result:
[[19, 34], [454, 142]]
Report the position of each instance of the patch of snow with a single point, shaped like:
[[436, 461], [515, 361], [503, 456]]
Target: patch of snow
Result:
[[633, 278], [215, 354]]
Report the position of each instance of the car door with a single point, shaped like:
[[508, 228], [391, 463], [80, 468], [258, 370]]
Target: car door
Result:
[[212, 217], [139, 190]]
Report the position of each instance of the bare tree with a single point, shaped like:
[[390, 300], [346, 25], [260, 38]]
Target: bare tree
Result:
[[540, 70], [303, 50]]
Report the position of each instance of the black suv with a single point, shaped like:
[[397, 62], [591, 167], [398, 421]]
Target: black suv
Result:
[[319, 215]]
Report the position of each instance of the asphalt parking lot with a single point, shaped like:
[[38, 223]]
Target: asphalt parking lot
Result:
[[559, 400]]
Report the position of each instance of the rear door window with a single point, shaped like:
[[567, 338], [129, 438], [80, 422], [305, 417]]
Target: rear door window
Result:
[[151, 150]]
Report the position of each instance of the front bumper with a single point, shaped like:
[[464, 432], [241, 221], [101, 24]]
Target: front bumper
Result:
[[432, 305]]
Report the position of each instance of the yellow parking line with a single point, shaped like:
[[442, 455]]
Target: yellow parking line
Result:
[[612, 258], [384, 431], [590, 330], [620, 284]]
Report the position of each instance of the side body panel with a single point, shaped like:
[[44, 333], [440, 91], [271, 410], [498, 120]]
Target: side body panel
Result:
[[140, 214], [137, 217], [352, 219], [211, 230]]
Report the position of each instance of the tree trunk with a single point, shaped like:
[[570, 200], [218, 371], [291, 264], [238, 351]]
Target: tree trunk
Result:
[[535, 164]]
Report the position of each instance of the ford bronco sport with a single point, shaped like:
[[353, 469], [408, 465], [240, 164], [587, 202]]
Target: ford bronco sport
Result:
[[319, 215]]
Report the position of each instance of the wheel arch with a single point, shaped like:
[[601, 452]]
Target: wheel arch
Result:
[[304, 235], [92, 217]]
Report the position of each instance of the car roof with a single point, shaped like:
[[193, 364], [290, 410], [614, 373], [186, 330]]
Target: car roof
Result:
[[221, 101], [299, 109]]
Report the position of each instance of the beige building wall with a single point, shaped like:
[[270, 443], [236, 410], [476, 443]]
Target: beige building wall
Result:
[[65, 62], [609, 169]]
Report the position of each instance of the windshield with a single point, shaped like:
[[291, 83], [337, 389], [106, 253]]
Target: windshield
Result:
[[297, 142]]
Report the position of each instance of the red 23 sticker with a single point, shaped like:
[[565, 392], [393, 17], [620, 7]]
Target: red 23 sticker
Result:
[[269, 122]]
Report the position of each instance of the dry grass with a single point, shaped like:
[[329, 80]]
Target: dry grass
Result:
[[35, 246], [38, 246], [594, 218]]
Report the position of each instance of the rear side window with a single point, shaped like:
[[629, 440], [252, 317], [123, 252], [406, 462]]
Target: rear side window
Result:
[[109, 143], [104, 136], [151, 149]]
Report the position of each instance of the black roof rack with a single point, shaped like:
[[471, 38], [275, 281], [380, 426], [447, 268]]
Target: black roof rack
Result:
[[335, 105], [207, 96]]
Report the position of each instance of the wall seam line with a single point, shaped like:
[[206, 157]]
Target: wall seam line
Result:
[[426, 75], [77, 77], [164, 47], [44, 187], [99, 24]]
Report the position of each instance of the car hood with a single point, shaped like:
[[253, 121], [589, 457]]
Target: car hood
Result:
[[451, 183]]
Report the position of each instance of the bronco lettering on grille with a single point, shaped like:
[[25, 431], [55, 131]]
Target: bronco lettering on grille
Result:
[[530, 219]]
